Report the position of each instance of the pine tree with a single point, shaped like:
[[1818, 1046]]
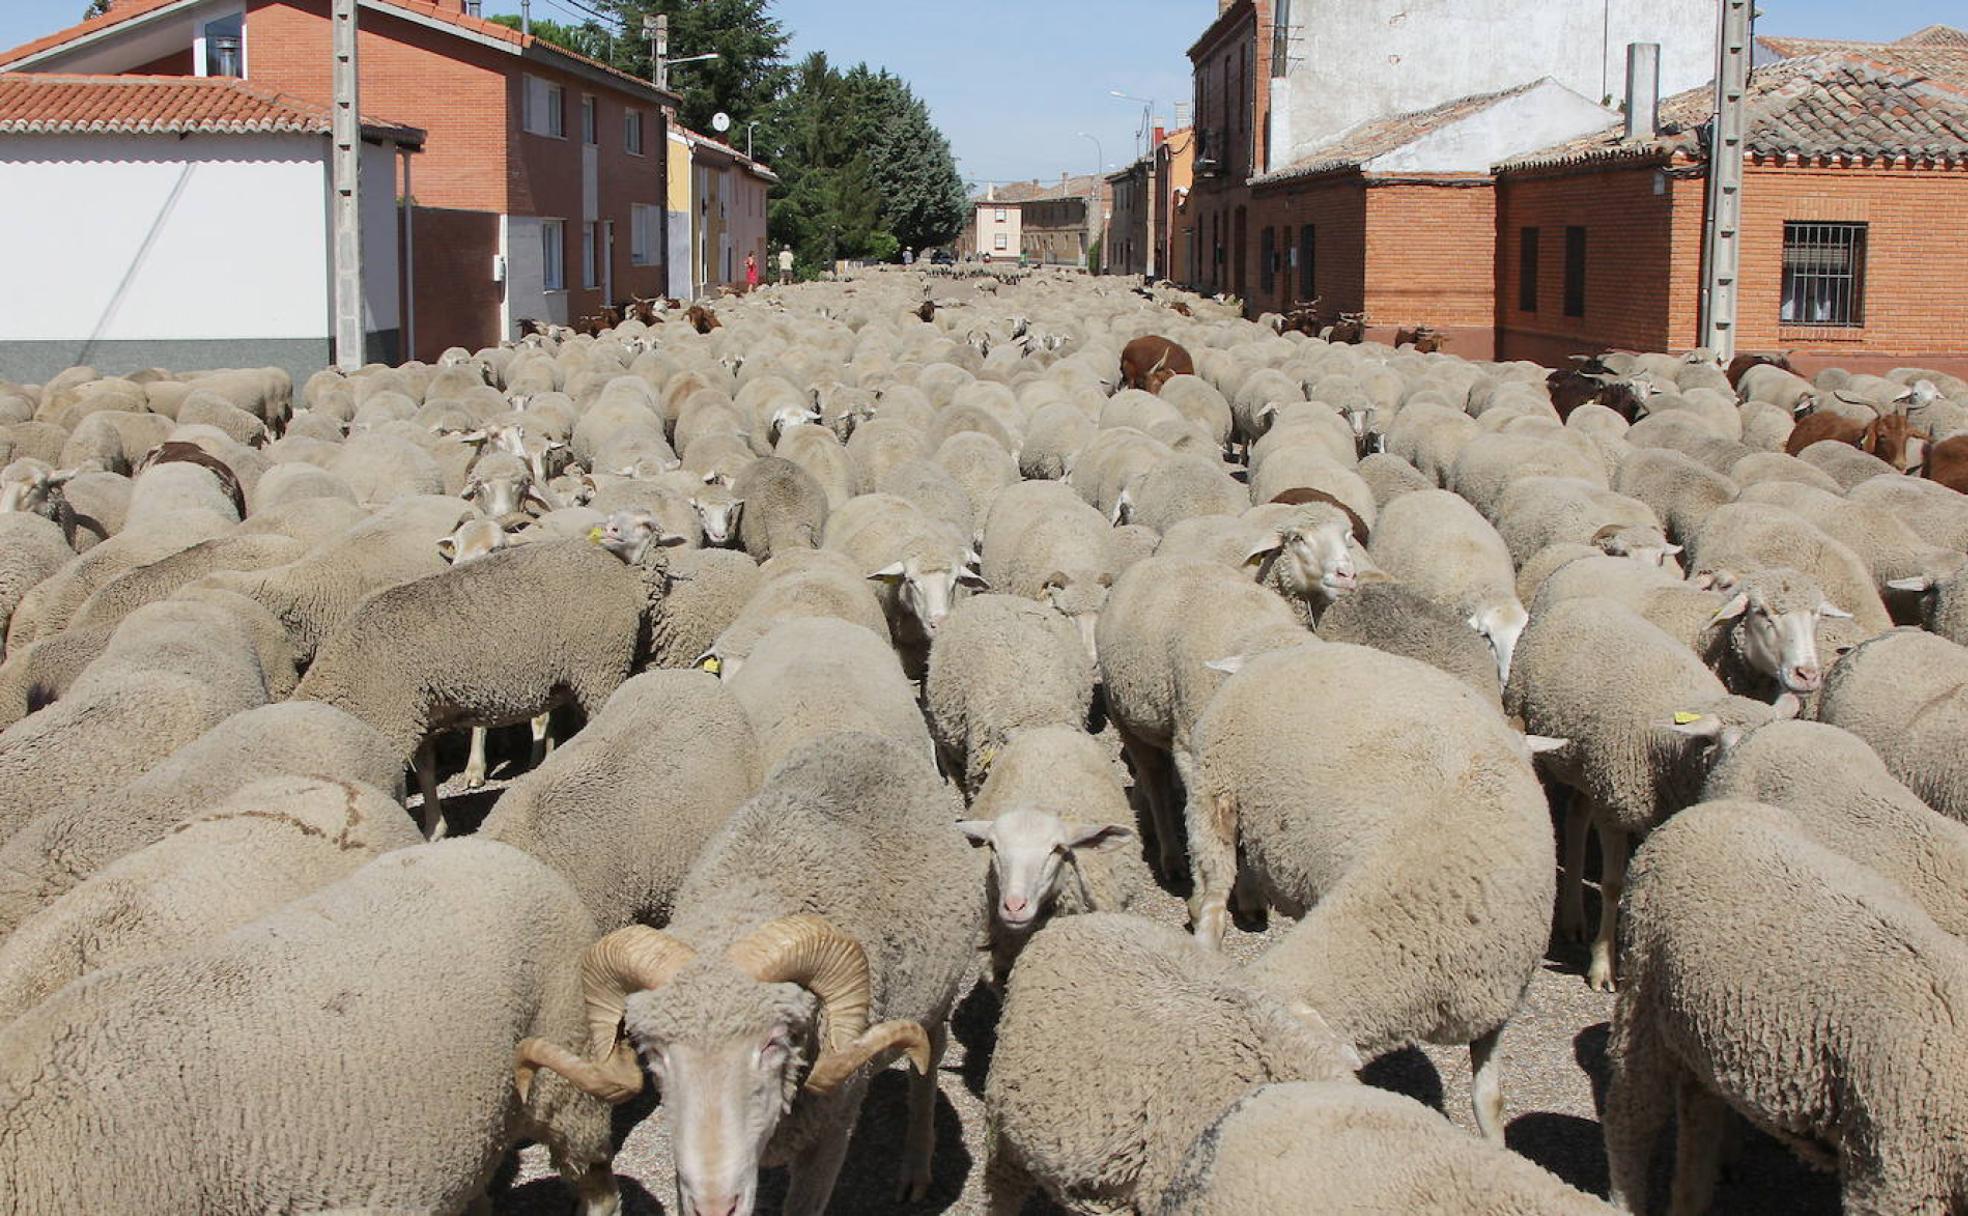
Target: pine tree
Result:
[[750, 42]]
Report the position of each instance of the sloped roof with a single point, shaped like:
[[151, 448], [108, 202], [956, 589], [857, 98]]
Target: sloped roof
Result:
[[426, 11], [1038, 191], [35, 103], [696, 140], [1376, 137], [1825, 105], [1938, 53]]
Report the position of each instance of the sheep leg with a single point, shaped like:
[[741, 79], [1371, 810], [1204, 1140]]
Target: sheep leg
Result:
[[475, 763], [815, 1170], [1612, 880], [542, 738], [1700, 1118], [427, 782], [920, 1144], [1213, 853], [1486, 1084], [1571, 901], [1151, 778], [1637, 1105], [1007, 1184]]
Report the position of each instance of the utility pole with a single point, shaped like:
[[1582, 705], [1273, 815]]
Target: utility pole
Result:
[[657, 29], [1722, 239], [346, 170], [1150, 201]]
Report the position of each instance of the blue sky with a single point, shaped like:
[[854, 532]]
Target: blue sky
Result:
[[1014, 82]]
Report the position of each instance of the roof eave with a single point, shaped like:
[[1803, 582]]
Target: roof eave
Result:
[[579, 66], [1225, 21]]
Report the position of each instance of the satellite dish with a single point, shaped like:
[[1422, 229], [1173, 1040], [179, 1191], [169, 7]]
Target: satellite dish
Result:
[[720, 122]]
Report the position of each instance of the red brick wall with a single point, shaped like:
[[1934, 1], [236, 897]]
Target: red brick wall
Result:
[[457, 301], [1337, 207], [1916, 266], [1428, 261], [1232, 104], [1634, 238]]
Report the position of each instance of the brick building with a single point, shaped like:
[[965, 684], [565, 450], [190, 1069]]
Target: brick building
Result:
[[726, 203], [1042, 222], [541, 191], [1856, 174], [1231, 109], [1149, 188]]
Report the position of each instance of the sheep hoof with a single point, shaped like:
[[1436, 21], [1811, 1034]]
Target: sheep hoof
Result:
[[474, 779], [913, 1186], [1599, 977]]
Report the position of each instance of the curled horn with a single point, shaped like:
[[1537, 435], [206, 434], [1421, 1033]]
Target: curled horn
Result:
[[630, 959], [807, 951]]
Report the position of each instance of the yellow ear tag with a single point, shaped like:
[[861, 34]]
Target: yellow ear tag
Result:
[[594, 534], [986, 756], [1683, 718], [712, 665]]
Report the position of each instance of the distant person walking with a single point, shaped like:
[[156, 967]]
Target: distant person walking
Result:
[[786, 264], [751, 271], [909, 257]]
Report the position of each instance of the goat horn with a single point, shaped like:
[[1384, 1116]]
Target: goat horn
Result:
[[631, 959], [807, 951], [837, 1066]]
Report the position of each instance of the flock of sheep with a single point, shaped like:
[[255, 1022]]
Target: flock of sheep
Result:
[[916, 629]]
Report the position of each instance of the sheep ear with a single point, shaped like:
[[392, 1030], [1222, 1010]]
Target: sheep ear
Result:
[[1736, 606], [710, 479], [447, 548], [1787, 705], [891, 573], [1542, 745], [1671, 550], [1097, 836], [1696, 726], [1919, 582], [977, 831], [1827, 608], [1229, 665], [1266, 548], [972, 579]]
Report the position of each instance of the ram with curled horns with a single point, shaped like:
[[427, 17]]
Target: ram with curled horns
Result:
[[826, 927]]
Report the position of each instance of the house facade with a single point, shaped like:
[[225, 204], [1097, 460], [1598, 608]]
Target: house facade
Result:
[[179, 221], [727, 214], [542, 192]]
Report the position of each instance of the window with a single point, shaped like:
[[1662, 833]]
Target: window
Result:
[[1527, 270], [1267, 246], [1308, 286], [1823, 274], [1001, 215], [590, 264], [643, 221], [541, 108], [1574, 272], [588, 120], [553, 255], [999, 241], [632, 132], [225, 46]]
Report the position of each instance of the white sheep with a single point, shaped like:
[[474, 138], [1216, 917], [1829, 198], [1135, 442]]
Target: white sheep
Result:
[[809, 677], [922, 565], [1439, 546], [1002, 664], [1903, 693]]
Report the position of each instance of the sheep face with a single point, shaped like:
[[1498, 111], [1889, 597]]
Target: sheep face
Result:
[[719, 511], [927, 590], [1360, 419], [1032, 853], [1776, 615], [27, 485], [1501, 625], [1314, 557], [790, 416], [475, 538], [1648, 545], [728, 1053], [631, 534], [501, 496], [1080, 601]]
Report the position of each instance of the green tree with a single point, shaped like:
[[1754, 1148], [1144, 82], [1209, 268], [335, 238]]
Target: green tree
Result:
[[96, 9], [922, 195], [589, 38], [743, 81]]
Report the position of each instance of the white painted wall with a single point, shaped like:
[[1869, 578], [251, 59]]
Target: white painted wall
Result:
[[381, 291], [526, 293], [156, 237], [1360, 59], [1539, 118]]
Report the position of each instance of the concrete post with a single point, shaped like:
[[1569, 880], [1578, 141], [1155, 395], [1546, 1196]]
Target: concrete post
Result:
[[1643, 86], [1722, 241], [346, 171]]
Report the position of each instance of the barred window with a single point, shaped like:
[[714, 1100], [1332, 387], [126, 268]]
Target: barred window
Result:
[[1527, 270], [1574, 272], [1307, 247], [1823, 274], [1268, 259]]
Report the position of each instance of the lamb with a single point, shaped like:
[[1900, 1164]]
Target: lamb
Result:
[[1091, 999], [1168, 619], [1055, 435], [1438, 545], [1334, 1147], [71, 839], [813, 676], [1389, 477], [816, 450], [979, 465], [829, 923], [1851, 1053], [268, 844], [879, 445], [1307, 553], [1053, 803], [1752, 535], [801, 583], [1642, 715], [921, 564], [1322, 834], [1392, 617], [1000, 665], [621, 810], [462, 648], [932, 491], [170, 672], [1937, 514], [238, 550], [382, 468], [1841, 795], [1488, 464], [48, 606], [332, 1102], [1902, 693]]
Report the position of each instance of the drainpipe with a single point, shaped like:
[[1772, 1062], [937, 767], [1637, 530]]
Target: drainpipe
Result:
[[407, 218]]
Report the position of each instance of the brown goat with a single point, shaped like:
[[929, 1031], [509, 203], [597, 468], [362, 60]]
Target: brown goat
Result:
[[528, 327], [644, 310], [1151, 361], [1349, 330], [1426, 339], [702, 319], [1181, 309], [1947, 463], [1571, 388], [1822, 426], [928, 311], [1303, 319], [1891, 437]]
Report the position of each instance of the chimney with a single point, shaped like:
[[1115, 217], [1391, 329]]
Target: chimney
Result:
[[1643, 90], [1223, 6], [990, 192]]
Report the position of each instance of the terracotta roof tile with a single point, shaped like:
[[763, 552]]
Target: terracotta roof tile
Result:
[[1039, 190], [1357, 145], [1832, 104], [33, 103]]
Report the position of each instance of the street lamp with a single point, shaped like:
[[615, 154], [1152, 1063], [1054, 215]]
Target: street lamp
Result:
[[663, 66], [1099, 154], [748, 137], [1147, 112]]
